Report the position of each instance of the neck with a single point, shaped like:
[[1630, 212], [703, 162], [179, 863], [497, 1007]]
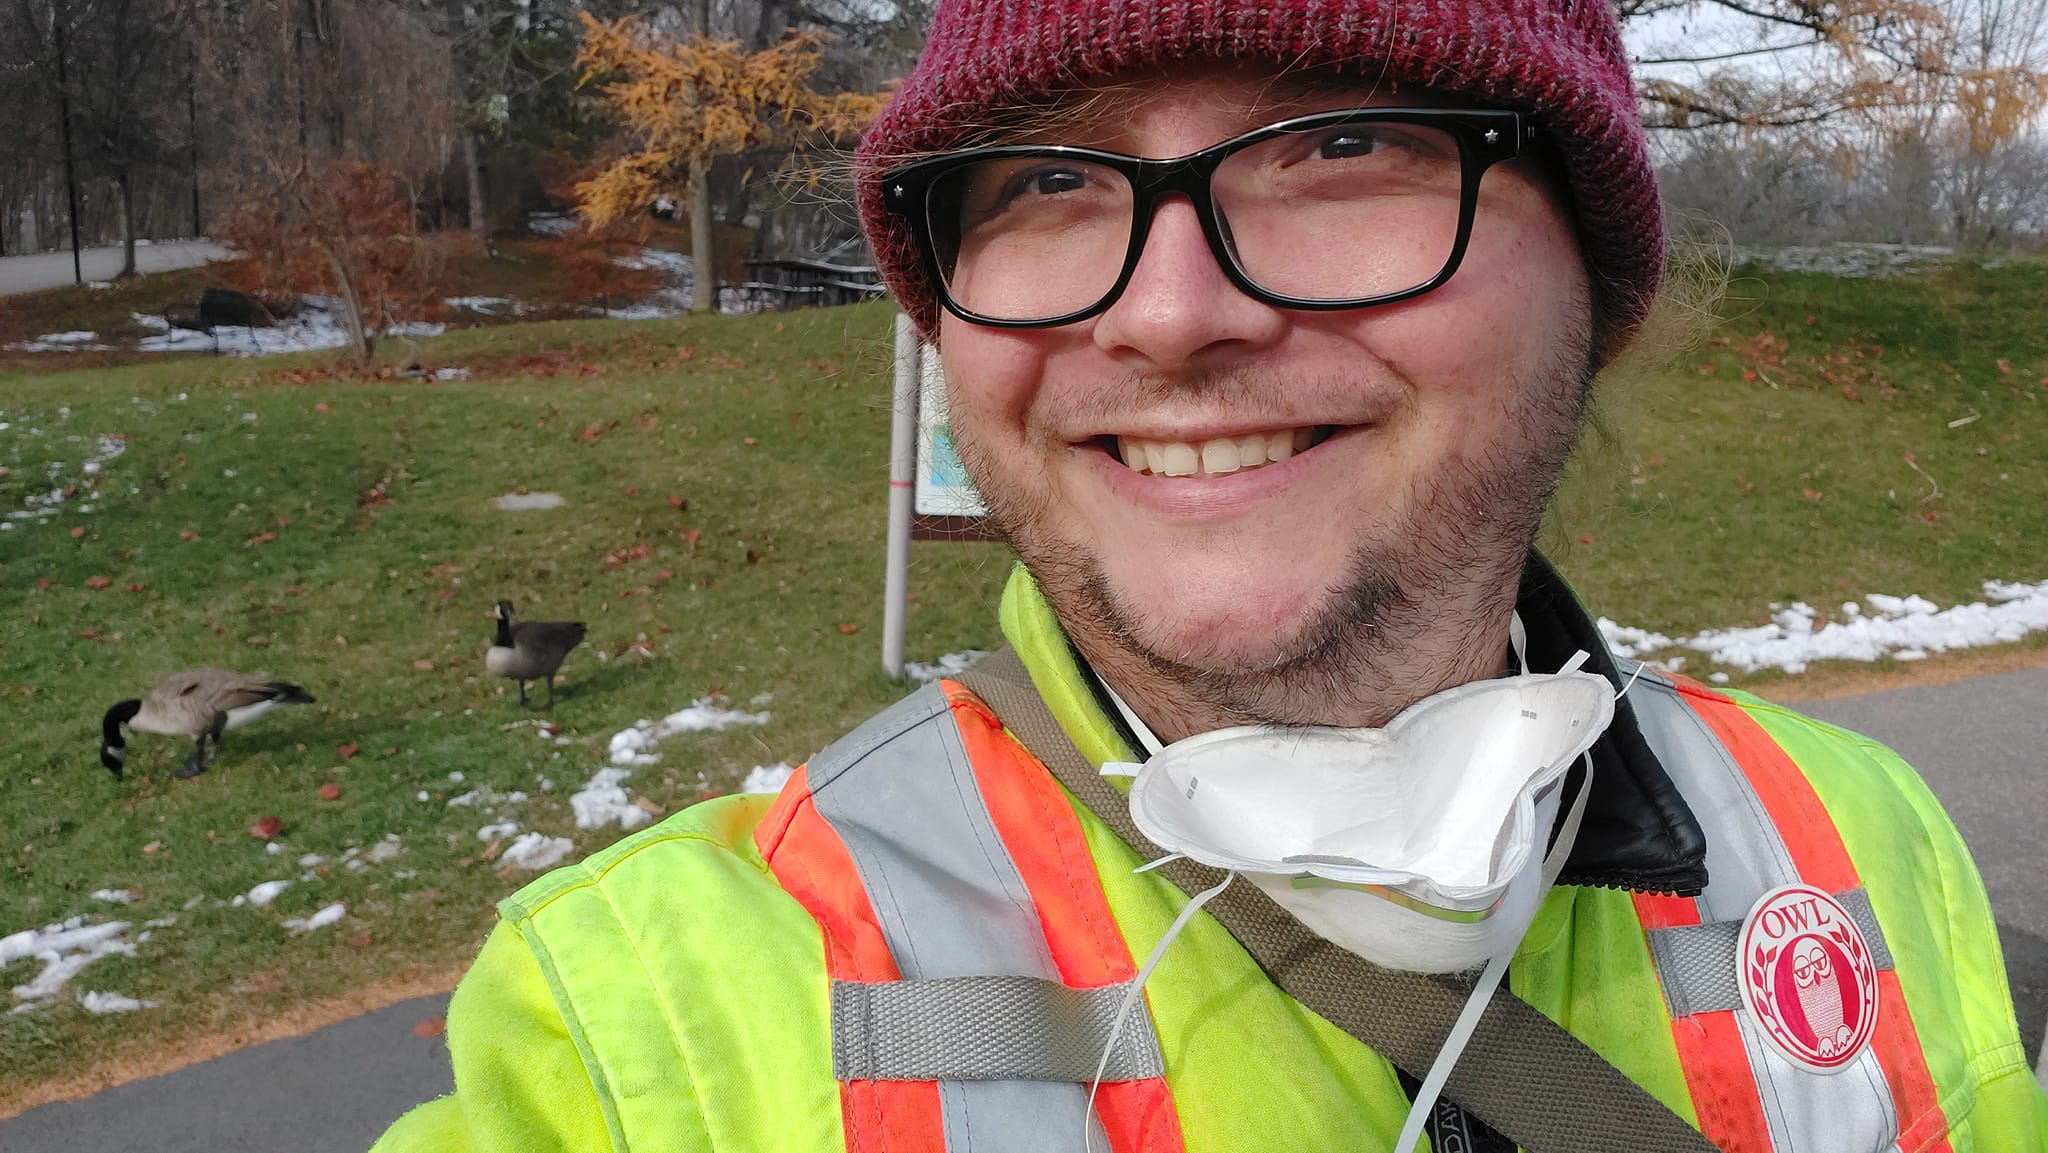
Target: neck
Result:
[[120, 714], [1362, 680], [504, 637]]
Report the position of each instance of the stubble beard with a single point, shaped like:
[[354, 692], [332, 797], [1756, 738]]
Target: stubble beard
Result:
[[1401, 623]]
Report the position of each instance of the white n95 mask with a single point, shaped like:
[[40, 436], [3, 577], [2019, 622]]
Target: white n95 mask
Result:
[[1418, 846]]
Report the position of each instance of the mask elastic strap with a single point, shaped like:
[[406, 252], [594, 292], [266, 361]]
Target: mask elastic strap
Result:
[[1138, 728], [1489, 980], [1136, 989], [1518, 641]]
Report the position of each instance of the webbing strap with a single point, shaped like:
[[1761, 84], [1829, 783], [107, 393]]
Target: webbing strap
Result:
[[1697, 963], [993, 1028], [1522, 1073]]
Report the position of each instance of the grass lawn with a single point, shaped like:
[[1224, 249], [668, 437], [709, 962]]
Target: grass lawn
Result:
[[722, 536]]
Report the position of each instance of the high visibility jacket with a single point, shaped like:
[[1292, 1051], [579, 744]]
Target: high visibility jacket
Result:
[[913, 949]]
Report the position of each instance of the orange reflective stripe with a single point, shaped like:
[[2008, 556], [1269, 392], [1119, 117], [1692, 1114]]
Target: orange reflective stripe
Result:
[[1724, 1093], [813, 866], [1038, 827], [1817, 852]]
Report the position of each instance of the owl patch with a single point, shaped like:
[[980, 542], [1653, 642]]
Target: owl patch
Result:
[[1808, 980]]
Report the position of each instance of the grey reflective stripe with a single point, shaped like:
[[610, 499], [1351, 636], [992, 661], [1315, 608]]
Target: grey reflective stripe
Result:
[[1846, 1112], [901, 794], [1696, 963], [983, 1029]]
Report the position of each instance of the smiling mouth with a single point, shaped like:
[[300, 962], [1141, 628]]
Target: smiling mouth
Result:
[[1219, 457]]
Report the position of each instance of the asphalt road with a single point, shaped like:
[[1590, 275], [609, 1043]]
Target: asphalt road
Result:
[[1979, 743], [51, 269]]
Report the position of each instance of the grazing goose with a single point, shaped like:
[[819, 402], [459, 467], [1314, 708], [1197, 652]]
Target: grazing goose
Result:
[[197, 703], [531, 650]]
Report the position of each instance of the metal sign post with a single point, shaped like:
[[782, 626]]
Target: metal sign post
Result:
[[902, 491]]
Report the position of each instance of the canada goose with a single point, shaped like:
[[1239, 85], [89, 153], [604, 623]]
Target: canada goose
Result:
[[197, 703], [531, 650]]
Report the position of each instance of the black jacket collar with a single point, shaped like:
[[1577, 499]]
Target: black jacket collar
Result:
[[1638, 833]]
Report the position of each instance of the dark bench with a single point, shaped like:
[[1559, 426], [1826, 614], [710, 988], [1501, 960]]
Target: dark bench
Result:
[[220, 308]]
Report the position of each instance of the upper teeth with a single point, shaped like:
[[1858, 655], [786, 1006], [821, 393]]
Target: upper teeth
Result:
[[1217, 457]]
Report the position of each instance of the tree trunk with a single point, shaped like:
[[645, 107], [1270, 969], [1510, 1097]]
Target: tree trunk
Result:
[[125, 181], [352, 310], [703, 258], [479, 219]]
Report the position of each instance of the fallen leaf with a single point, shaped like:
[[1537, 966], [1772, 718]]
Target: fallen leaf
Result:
[[323, 408], [360, 940], [43, 583], [187, 534], [677, 502], [665, 574], [1586, 539], [595, 430], [284, 522], [1810, 494], [2004, 367], [266, 828], [97, 582], [490, 852], [431, 1027], [1707, 370], [330, 792], [632, 490], [849, 629], [135, 588], [347, 751], [1849, 392], [77, 530], [709, 795], [424, 666], [751, 442], [152, 848], [256, 538], [1812, 320]]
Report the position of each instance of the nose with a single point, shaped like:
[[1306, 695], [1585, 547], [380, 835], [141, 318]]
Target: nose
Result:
[[1179, 308]]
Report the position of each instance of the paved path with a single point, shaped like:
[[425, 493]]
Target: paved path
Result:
[[51, 269], [1979, 743]]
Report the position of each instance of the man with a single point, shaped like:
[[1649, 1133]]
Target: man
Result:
[[1270, 415]]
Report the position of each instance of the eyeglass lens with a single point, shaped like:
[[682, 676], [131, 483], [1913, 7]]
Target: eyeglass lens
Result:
[[1334, 213]]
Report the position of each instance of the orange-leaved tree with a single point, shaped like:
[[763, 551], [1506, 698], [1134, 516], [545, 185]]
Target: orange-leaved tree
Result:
[[685, 102], [341, 228]]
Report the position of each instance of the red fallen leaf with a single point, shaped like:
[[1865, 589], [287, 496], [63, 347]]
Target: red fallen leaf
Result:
[[1909, 458], [1749, 375], [1656, 460], [1810, 494], [135, 588], [266, 828], [43, 583], [431, 1027], [632, 490], [441, 570], [709, 795], [689, 534], [446, 593], [70, 490], [663, 628], [284, 522], [1930, 516], [97, 582], [323, 407], [648, 421], [595, 430], [77, 531], [1812, 320], [1709, 369], [424, 666], [330, 792], [849, 629], [88, 634], [550, 728], [348, 750], [187, 534], [257, 538], [1588, 539], [676, 501], [665, 574], [1849, 392], [295, 591], [2004, 367]]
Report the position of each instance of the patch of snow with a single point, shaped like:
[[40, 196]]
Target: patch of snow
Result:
[[487, 305], [766, 779], [497, 831], [550, 223], [1905, 628], [384, 850], [319, 920], [1848, 258], [100, 1004], [62, 342], [117, 896], [952, 664], [526, 501], [64, 949], [635, 746], [317, 325], [451, 374], [262, 894], [603, 801], [536, 851]]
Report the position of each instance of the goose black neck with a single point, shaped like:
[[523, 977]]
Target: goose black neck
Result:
[[117, 716], [504, 637]]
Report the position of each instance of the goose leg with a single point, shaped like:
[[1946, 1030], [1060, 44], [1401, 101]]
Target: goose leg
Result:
[[197, 762], [523, 702], [551, 691]]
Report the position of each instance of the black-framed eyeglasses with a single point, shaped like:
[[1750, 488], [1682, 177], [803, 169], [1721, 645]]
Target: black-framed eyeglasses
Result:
[[1334, 210]]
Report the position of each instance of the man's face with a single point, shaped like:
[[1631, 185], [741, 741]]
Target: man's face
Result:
[[1434, 431]]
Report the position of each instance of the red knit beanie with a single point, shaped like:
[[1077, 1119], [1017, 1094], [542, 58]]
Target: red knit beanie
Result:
[[1559, 61]]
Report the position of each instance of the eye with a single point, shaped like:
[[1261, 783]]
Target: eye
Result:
[[1046, 181], [1349, 142]]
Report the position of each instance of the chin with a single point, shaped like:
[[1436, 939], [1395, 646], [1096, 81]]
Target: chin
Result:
[[1219, 625]]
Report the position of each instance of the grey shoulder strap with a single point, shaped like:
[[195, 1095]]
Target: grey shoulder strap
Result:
[[1522, 1073]]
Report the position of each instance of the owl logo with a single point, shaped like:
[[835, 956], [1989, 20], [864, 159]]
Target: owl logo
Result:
[[1809, 982]]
